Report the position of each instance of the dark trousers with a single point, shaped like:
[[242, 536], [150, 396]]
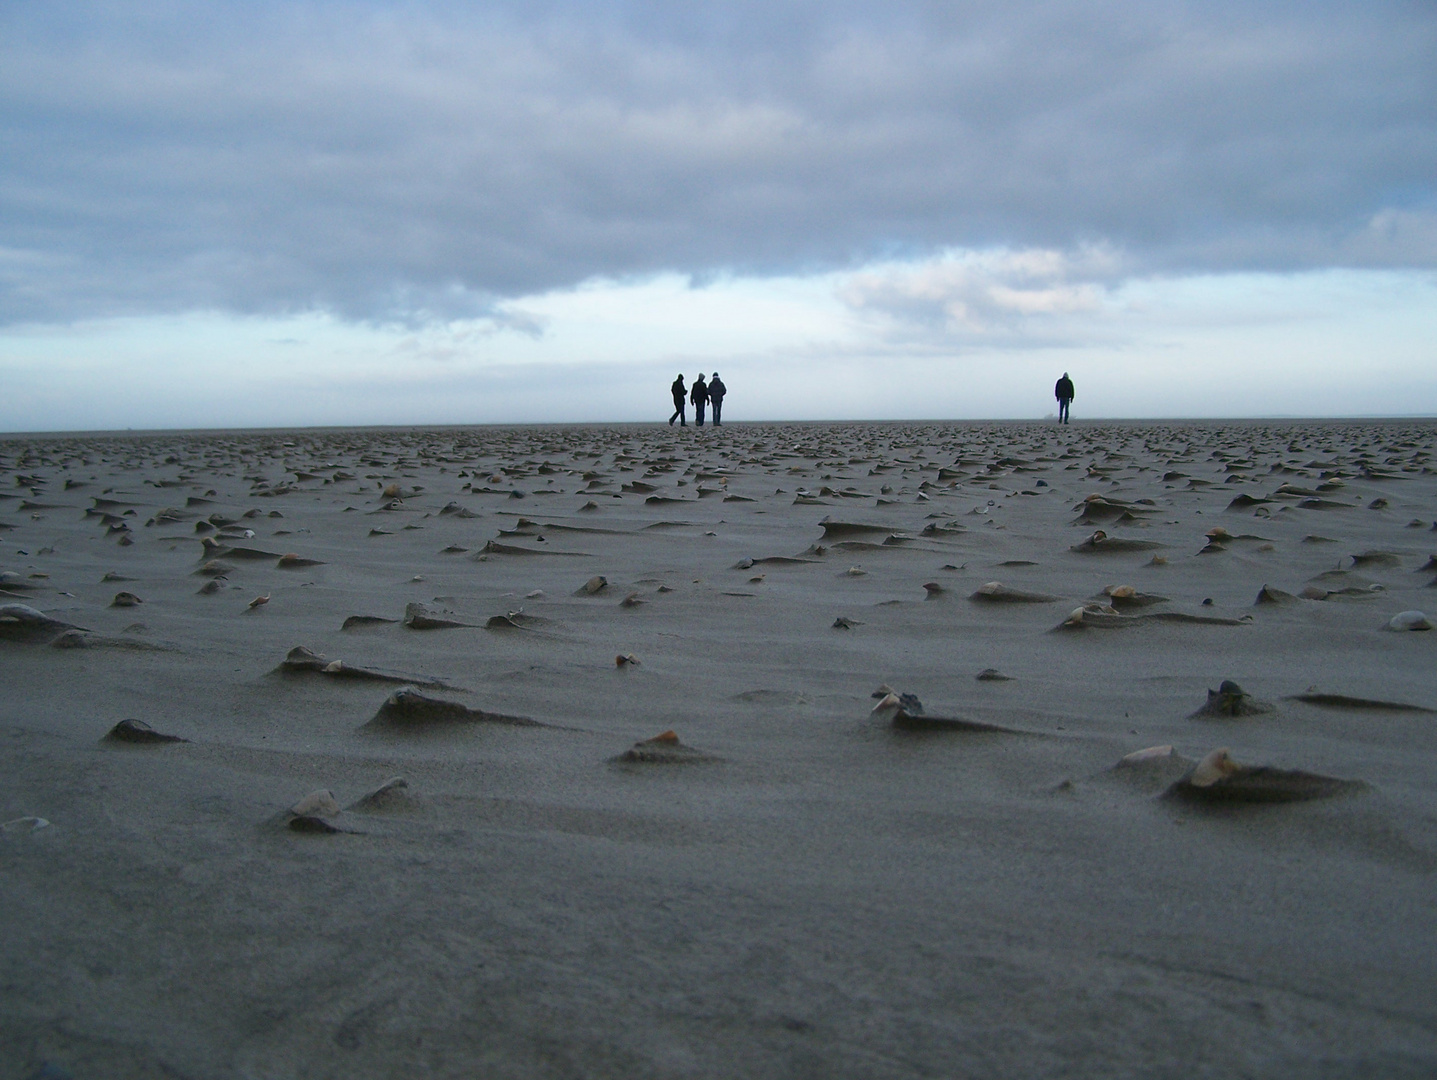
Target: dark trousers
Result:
[[718, 409], [698, 413], [1063, 409], [678, 413]]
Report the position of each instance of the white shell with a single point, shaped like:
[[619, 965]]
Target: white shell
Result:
[[1216, 766], [890, 703], [24, 824], [1151, 753], [1409, 620], [319, 803]]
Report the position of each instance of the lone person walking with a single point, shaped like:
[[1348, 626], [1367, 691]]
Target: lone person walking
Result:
[[699, 395], [681, 394], [716, 392], [1063, 391]]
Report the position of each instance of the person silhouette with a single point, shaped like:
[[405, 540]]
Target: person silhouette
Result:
[[1063, 391], [699, 395], [716, 392], [680, 393]]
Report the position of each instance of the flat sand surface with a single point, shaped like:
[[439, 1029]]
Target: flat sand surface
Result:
[[812, 891]]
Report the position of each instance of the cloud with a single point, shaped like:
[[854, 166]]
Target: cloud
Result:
[[393, 163], [980, 294]]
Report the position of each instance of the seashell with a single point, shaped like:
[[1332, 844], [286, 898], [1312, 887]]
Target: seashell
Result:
[[1218, 534], [883, 691], [1120, 592], [24, 825], [843, 622], [125, 599], [992, 675], [391, 796], [633, 600], [24, 621], [933, 589], [855, 571], [209, 588], [1218, 765], [321, 803], [392, 491], [625, 660], [259, 601], [1409, 620], [596, 584], [1141, 757], [890, 703]]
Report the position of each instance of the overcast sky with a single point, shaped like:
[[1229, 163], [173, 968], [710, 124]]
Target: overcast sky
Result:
[[329, 213]]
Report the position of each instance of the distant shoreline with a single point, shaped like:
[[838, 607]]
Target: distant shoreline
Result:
[[566, 425]]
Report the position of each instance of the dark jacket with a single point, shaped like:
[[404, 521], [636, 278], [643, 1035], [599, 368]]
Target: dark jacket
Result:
[[679, 390], [717, 389], [1063, 391], [700, 393]]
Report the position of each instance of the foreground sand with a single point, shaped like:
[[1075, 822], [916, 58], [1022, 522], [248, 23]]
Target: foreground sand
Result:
[[824, 895]]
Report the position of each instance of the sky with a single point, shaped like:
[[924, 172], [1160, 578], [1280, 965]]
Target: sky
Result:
[[319, 213]]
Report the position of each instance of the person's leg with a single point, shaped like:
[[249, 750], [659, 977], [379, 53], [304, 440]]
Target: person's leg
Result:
[[718, 410]]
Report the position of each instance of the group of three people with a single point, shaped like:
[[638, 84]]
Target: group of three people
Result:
[[702, 394]]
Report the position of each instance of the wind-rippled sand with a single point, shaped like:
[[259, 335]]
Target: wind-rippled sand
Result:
[[788, 885]]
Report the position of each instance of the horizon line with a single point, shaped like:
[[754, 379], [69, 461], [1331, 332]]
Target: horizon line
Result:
[[1089, 421]]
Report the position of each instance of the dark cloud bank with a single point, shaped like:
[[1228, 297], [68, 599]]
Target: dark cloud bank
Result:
[[411, 162]]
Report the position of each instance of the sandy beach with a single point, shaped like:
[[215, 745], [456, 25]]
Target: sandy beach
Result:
[[650, 823]]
